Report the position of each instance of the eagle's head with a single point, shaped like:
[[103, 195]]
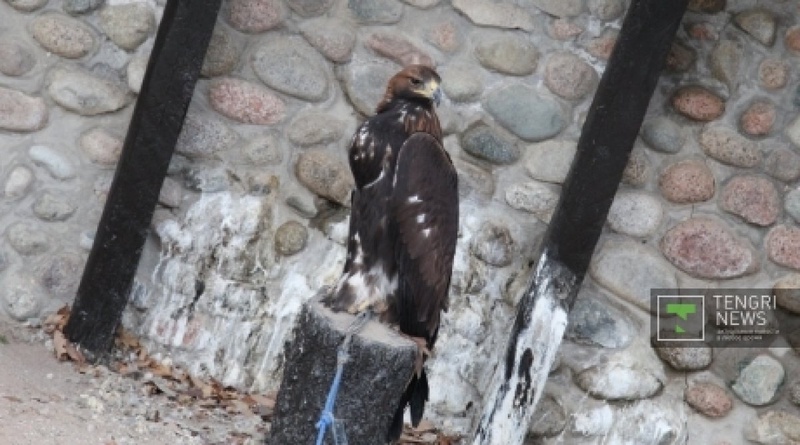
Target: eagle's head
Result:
[[415, 82]]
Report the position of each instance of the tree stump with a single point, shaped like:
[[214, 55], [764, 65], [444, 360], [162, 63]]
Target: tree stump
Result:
[[380, 366]]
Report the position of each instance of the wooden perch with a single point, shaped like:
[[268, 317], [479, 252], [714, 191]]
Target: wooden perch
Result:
[[608, 135], [380, 366]]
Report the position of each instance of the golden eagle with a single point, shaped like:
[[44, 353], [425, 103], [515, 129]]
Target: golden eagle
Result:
[[403, 222]]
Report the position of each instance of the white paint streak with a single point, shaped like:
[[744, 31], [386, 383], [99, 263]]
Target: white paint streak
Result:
[[503, 421]]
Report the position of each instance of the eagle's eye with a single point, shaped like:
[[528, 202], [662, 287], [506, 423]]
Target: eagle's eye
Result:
[[415, 81]]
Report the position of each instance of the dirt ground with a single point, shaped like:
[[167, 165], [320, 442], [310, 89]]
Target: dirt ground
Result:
[[44, 401]]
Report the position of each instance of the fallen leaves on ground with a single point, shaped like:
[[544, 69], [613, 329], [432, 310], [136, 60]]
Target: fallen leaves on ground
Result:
[[132, 359], [426, 434]]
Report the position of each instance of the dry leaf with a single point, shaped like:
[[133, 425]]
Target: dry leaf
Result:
[[60, 346]]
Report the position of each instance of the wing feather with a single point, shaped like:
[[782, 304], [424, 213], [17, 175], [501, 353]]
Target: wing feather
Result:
[[424, 212]]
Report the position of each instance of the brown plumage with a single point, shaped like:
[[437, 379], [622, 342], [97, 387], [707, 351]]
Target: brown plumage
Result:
[[404, 220]]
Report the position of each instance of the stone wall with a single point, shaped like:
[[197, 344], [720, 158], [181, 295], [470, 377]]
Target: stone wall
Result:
[[253, 216]]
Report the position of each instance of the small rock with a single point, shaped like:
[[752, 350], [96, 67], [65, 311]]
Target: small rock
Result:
[[680, 58], [549, 419], [422, 4], [245, 102], [774, 428], [793, 131], [684, 358], [63, 35], [290, 238], [560, 8], [568, 76], [594, 321], [473, 178], [481, 141], [171, 194], [376, 12], [707, 6], [101, 147], [222, 55], [27, 5], [135, 71], [60, 275], [663, 134], [727, 146], [310, 8], [263, 150], [507, 53], [314, 128], [698, 103], [18, 182], [792, 204], [616, 380], [550, 161], [773, 73], [753, 198], [794, 393], [562, 29], [498, 15], [208, 179], [50, 207], [602, 46], [445, 36], [726, 60], [27, 238], [783, 246], [203, 136], [706, 248], [128, 25], [21, 298], [525, 112], [637, 170], [687, 182], [76, 7], [787, 292], [365, 84], [330, 36], [20, 112], [783, 164], [54, 162], [792, 39], [607, 9], [758, 119], [325, 175], [15, 59], [292, 66], [493, 245], [256, 16], [709, 399], [758, 382], [398, 49], [534, 197], [462, 83], [759, 23], [635, 213], [703, 31], [85, 93], [630, 269]]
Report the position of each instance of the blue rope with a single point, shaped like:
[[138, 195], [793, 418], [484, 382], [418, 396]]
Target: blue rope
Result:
[[327, 418]]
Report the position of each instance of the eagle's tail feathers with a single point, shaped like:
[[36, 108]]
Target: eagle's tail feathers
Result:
[[415, 396]]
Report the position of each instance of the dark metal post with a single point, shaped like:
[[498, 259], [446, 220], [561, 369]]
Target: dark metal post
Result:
[[608, 135], [173, 70]]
